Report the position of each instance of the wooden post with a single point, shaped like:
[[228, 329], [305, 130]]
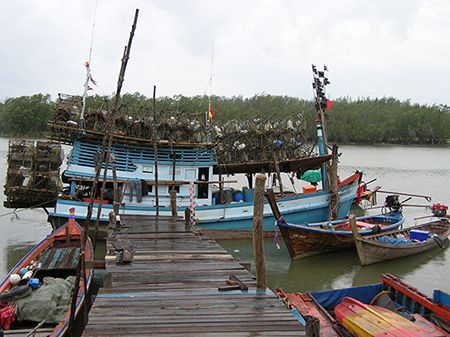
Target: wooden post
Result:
[[249, 179], [67, 235], [333, 183], [187, 215], [273, 205], [173, 202], [116, 202], [312, 326], [155, 147], [258, 242], [277, 169], [221, 189], [109, 134]]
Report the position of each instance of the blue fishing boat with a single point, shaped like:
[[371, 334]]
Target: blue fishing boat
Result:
[[189, 171], [185, 154]]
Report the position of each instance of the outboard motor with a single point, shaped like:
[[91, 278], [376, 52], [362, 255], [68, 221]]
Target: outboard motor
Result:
[[392, 202], [439, 210]]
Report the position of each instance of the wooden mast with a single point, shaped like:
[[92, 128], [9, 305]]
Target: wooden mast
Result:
[[108, 135]]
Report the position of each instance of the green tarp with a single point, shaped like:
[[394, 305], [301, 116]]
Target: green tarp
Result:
[[313, 176], [50, 301]]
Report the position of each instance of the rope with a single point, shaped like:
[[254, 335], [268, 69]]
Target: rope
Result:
[[92, 36], [25, 209], [277, 239]]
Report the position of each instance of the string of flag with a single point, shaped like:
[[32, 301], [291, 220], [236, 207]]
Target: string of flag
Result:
[[91, 79]]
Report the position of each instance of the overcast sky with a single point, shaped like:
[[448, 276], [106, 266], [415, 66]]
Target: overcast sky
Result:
[[372, 48]]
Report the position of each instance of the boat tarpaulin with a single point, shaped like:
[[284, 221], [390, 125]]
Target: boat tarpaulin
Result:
[[50, 301], [330, 299]]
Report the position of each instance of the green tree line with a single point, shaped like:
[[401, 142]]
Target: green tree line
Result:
[[362, 121]]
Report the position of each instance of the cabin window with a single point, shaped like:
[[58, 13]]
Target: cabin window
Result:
[[203, 175]]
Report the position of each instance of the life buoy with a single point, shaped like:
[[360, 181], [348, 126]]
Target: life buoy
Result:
[[15, 293]]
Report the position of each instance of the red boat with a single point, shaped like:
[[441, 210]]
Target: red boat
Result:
[[49, 274], [391, 294]]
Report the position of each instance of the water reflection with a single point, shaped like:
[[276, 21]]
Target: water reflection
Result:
[[418, 170], [16, 252], [331, 270]]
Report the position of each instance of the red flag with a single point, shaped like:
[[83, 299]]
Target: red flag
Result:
[[211, 113], [329, 104], [92, 80]]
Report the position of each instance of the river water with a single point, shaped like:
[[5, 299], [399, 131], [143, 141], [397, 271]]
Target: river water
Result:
[[414, 170]]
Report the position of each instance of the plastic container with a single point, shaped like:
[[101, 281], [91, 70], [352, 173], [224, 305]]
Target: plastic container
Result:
[[96, 201], [27, 275], [34, 283], [215, 199], [249, 194], [309, 189], [415, 234], [238, 196]]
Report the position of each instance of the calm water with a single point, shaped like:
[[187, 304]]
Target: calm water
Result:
[[414, 170], [417, 170]]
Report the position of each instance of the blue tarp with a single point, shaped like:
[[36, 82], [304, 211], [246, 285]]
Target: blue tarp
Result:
[[330, 299]]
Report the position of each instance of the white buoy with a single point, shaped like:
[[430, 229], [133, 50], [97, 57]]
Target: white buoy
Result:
[[14, 279]]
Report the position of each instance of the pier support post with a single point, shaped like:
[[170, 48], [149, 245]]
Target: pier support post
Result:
[[312, 326], [192, 202], [173, 202], [258, 242]]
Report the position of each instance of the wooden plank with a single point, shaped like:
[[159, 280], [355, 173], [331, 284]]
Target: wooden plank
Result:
[[171, 289]]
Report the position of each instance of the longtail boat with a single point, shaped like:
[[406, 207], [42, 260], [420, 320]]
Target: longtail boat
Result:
[[400, 243], [316, 238], [36, 295]]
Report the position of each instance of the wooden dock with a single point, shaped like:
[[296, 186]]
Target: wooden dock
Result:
[[177, 285]]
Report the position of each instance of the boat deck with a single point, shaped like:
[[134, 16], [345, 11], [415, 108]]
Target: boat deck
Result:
[[65, 258], [182, 284]]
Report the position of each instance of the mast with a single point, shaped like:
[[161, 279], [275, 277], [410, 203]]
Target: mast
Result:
[[321, 104], [209, 113], [88, 71]]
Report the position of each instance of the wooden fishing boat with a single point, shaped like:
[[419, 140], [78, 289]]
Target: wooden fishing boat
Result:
[[361, 319], [183, 159], [316, 238], [400, 243], [36, 295], [431, 315]]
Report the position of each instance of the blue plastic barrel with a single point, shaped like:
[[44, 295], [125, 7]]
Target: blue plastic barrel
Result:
[[249, 194], [238, 196]]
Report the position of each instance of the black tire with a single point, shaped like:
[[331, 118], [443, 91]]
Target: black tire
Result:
[[376, 229], [15, 293]]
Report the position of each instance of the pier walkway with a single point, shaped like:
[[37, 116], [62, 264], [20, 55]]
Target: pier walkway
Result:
[[181, 284]]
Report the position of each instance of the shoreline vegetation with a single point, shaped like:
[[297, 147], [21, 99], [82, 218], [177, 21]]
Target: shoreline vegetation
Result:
[[365, 121]]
